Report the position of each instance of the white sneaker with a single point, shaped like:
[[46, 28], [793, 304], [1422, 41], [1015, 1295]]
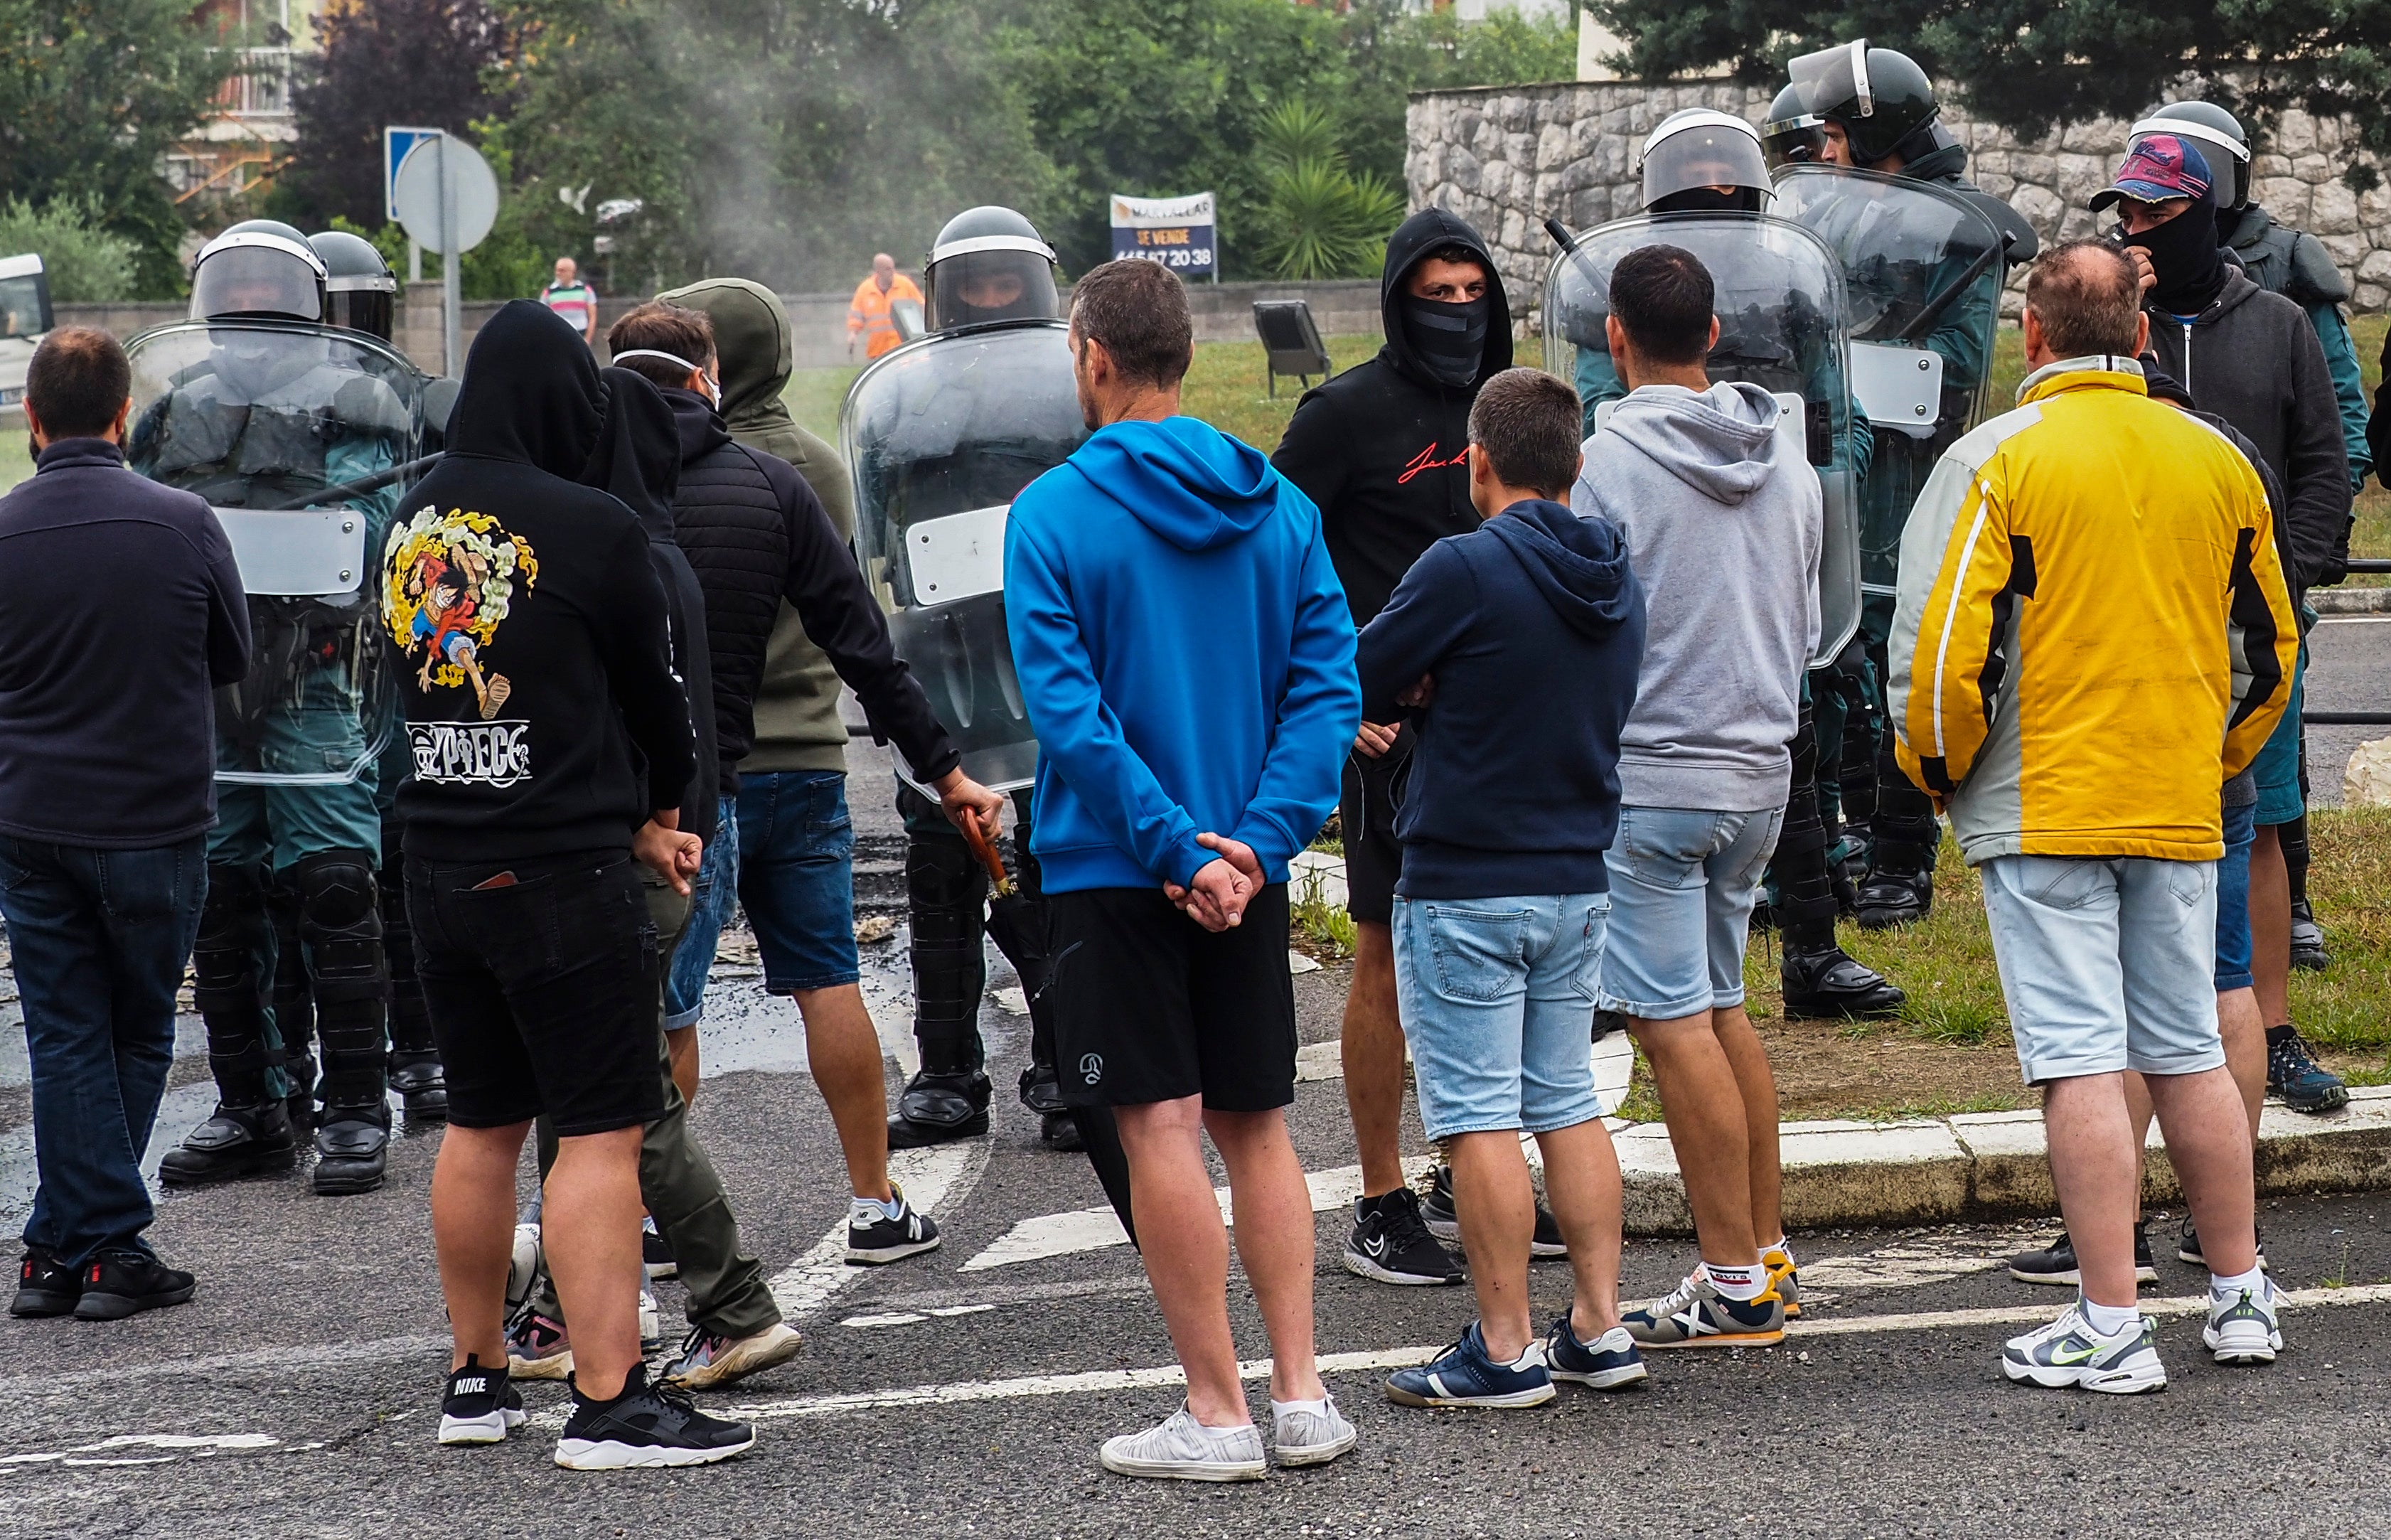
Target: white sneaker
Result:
[[2242, 1328], [2068, 1351], [1302, 1436], [652, 1326], [522, 1264], [1182, 1449]]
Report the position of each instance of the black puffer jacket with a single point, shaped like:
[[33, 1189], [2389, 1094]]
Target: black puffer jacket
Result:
[[755, 534]]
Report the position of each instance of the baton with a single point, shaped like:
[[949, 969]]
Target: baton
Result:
[[1918, 329], [1001, 884], [351, 488], [1568, 245]]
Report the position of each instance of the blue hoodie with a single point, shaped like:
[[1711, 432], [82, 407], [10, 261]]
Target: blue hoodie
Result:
[[1186, 653]]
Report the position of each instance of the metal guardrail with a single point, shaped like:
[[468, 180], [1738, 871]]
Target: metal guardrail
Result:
[[2353, 718]]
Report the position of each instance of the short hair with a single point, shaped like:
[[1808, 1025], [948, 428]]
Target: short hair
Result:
[[77, 383], [2087, 296], [1453, 251], [1664, 300], [1528, 423], [1138, 310], [664, 327]]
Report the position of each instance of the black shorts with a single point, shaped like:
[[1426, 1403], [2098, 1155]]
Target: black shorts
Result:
[[544, 993], [1149, 1006], [1365, 811]]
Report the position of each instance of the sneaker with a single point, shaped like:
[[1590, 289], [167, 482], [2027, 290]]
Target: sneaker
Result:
[[538, 1347], [45, 1285], [2242, 1328], [1443, 1222], [2068, 1351], [2055, 1263], [1302, 1433], [1465, 1375], [117, 1284], [1391, 1243], [710, 1358], [1784, 1277], [2293, 1074], [654, 1254], [482, 1405], [873, 1236], [2186, 1245], [523, 1265], [651, 1325], [1182, 1449], [1609, 1363], [647, 1425], [1697, 1315]]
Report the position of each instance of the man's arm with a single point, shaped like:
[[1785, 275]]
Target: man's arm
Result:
[[2316, 464], [2348, 387], [1955, 561], [228, 605], [1432, 609], [635, 648], [1317, 717], [1315, 454]]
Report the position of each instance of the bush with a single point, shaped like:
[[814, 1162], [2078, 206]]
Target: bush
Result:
[[85, 263]]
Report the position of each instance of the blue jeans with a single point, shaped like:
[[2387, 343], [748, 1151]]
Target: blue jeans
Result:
[[98, 938], [1682, 885], [796, 877], [2233, 898], [711, 899]]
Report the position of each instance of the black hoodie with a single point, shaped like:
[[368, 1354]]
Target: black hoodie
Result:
[[535, 665], [1383, 448]]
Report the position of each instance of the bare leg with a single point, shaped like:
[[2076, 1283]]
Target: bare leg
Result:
[[2239, 1023], [1496, 1204], [1708, 1128], [2270, 927], [1275, 1240], [1187, 1259], [1373, 1054], [2092, 1163], [591, 1230], [680, 1042], [472, 1230], [1581, 1183], [844, 1053], [1750, 1061], [2208, 1140]]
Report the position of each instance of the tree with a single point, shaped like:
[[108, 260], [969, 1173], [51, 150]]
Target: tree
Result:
[[85, 263], [92, 94], [1320, 219]]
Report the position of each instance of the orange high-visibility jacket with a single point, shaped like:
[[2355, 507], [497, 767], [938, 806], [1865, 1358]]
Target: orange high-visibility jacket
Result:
[[870, 314]]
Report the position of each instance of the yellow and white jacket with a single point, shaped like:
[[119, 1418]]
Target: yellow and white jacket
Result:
[[2093, 631]]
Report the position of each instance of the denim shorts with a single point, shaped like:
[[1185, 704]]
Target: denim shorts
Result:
[[2233, 898], [2100, 961], [1682, 884], [1498, 998], [713, 897], [797, 881], [2278, 765]]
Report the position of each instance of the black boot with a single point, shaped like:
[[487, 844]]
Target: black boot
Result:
[[249, 1131], [938, 1107], [1828, 983], [294, 1007], [237, 1141], [340, 916], [2307, 937], [1890, 900], [414, 1071], [944, 892], [299, 1074], [352, 1149], [423, 1085], [1819, 980]]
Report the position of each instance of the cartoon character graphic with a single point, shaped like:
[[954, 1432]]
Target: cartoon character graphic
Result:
[[447, 582]]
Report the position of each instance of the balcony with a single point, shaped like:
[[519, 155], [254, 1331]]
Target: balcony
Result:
[[260, 85]]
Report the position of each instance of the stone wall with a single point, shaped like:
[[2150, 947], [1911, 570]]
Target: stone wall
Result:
[[1504, 157]]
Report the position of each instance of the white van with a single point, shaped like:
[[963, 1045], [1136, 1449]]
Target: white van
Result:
[[24, 317]]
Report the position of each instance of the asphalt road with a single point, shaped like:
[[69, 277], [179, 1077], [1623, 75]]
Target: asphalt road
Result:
[[2350, 669], [962, 1393]]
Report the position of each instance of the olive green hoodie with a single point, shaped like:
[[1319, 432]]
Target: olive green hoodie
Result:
[[797, 725]]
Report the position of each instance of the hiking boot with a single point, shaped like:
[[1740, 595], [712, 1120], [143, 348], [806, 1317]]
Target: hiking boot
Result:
[[236, 1142], [2293, 1074], [1828, 984]]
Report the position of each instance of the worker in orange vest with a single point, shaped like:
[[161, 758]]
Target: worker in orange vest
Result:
[[871, 315]]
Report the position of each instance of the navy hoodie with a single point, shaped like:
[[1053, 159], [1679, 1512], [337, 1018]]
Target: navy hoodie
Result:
[[1533, 628]]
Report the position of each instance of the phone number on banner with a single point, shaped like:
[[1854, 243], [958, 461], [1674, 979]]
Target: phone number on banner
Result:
[[1170, 256]]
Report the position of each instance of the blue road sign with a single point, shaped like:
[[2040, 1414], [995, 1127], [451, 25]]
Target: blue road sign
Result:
[[396, 143]]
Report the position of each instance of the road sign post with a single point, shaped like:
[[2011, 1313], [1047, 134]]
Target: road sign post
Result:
[[445, 195]]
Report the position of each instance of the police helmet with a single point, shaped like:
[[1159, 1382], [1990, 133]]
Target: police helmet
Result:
[[1695, 153], [989, 264], [360, 292], [1791, 134], [264, 270], [2222, 141], [1879, 98]]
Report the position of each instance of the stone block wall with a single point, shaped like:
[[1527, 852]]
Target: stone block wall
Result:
[[1504, 157]]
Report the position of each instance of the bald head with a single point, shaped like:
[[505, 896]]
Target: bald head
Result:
[[884, 269], [2083, 297]]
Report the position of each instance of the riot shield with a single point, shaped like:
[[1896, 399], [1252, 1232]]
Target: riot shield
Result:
[[941, 436], [1922, 269], [1780, 308], [262, 418]]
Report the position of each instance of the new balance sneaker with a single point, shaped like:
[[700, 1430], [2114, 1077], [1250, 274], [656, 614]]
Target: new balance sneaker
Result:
[[654, 1254], [647, 1425], [482, 1405], [876, 1236], [2293, 1074], [1445, 1225], [2186, 1245], [1697, 1315], [538, 1347], [1182, 1449], [45, 1285], [1784, 1277], [2068, 1351], [1466, 1376], [1609, 1363], [1390, 1242], [2242, 1327], [117, 1284], [2055, 1263], [710, 1358], [1310, 1433]]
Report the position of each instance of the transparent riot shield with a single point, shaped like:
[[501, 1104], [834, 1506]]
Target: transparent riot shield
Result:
[[299, 437], [941, 434], [1922, 269], [1780, 308]]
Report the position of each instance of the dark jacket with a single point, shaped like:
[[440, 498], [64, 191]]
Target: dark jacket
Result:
[[1382, 449], [758, 537], [536, 672], [2252, 359], [119, 610], [1533, 628]]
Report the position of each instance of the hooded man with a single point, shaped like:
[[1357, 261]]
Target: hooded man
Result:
[[1383, 449]]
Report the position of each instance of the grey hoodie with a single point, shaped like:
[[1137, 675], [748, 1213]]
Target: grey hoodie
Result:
[[1724, 532]]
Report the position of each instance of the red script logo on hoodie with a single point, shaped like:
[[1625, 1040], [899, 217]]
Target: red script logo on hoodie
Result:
[[1426, 460]]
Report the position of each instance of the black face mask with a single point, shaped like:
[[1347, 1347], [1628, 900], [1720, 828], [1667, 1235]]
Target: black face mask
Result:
[[2183, 253], [1708, 200], [1449, 340]]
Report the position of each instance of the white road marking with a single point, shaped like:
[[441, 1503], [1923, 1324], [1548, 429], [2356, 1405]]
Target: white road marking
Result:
[[176, 1445], [2355, 620], [1894, 1267], [913, 1318], [940, 1177]]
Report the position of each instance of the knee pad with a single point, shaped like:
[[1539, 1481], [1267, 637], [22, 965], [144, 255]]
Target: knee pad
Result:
[[1805, 748], [945, 888], [232, 931], [339, 914]]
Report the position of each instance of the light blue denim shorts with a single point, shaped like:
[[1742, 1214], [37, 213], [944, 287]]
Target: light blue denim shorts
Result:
[[1498, 998], [2106, 962], [1683, 881]]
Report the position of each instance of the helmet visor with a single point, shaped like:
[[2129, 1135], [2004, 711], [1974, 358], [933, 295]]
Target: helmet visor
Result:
[[975, 287], [364, 310], [256, 281], [1703, 155], [1794, 141], [1834, 82]]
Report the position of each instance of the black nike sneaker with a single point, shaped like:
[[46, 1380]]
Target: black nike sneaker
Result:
[[2055, 1263], [647, 1425], [481, 1406], [45, 1286], [1391, 1244], [2188, 1249]]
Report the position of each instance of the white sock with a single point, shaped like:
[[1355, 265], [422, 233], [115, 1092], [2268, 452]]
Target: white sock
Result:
[[1741, 1284], [871, 1210], [2222, 1288], [1783, 1245], [1288, 1408], [2110, 1320]]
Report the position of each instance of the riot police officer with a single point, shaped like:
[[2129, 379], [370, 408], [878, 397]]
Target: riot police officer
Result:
[[257, 404]]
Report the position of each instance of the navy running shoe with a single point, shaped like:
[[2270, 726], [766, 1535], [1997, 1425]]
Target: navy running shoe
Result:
[[1465, 1376], [1609, 1363]]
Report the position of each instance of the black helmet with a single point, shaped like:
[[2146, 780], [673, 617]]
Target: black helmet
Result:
[[1879, 98], [260, 268], [1696, 152], [2223, 144], [989, 264], [1792, 134], [360, 292]]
